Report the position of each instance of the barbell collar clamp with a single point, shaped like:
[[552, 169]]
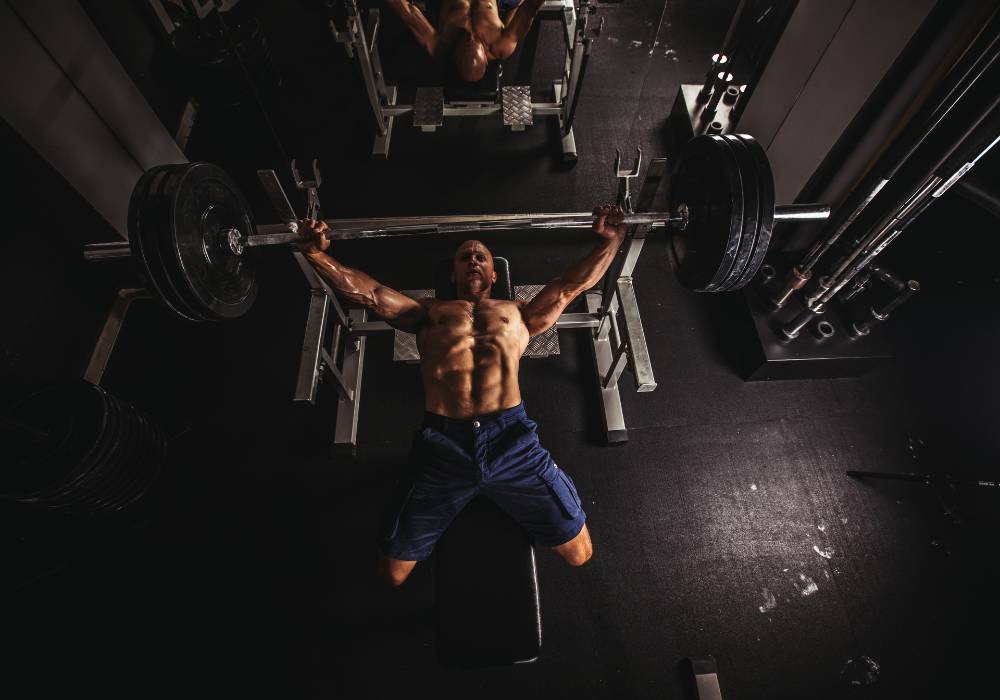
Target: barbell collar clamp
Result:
[[796, 280]]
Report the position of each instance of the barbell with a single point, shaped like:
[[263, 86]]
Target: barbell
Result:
[[192, 231]]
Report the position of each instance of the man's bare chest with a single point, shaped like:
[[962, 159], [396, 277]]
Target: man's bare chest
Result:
[[478, 16], [451, 322]]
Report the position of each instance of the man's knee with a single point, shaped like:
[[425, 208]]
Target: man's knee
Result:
[[395, 571], [579, 550], [578, 556]]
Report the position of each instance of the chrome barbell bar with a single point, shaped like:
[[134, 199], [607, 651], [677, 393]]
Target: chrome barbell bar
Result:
[[353, 229]]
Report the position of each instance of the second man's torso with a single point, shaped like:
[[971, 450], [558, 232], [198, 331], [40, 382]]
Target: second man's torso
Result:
[[477, 16]]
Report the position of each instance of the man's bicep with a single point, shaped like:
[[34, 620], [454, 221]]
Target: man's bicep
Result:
[[398, 310], [424, 32]]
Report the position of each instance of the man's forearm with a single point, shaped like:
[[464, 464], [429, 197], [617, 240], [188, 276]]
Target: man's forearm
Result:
[[585, 273], [521, 17], [418, 24], [353, 284]]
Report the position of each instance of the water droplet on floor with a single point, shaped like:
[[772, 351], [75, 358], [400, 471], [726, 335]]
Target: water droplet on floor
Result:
[[862, 670]]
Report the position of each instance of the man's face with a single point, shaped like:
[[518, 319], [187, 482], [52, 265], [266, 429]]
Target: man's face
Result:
[[473, 268]]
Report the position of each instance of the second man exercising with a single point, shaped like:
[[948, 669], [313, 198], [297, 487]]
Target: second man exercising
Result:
[[470, 31]]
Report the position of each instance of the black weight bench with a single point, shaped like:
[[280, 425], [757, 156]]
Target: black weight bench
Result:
[[486, 587]]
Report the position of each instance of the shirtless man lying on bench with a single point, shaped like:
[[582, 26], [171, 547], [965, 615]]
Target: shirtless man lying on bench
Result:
[[476, 437], [470, 31]]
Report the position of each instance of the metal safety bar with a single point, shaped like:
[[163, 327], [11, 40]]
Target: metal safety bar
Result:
[[319, 359], [106, 341]]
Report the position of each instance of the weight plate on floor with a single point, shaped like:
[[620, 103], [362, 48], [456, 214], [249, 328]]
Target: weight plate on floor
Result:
[[765, 180], [136, 468], [146, 217], [112, 479], [144, 464], [204, 204], [751, 210], [79, 490], [708, 184], [51, 433]]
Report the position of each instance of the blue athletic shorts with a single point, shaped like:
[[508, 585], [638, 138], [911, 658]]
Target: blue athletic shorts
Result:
[[496, 455]]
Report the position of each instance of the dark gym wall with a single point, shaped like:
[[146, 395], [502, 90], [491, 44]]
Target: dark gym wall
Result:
[[53, 304], [138, 40]]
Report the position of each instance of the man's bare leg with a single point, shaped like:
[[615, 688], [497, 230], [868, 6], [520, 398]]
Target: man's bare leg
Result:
[[394, 571], [578, 550]]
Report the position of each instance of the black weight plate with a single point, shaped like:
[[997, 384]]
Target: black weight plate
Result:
[[140, 467], [145, 206], [114, 476], [765, 180], [160, 246], [82, 487], [146, 213], [205, 203], [751, 210], [132, 472], [74, 416], [165, 243], [148, 461], [708, 183]]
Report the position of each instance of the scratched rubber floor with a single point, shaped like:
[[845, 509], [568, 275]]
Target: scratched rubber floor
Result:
[[726, 525]]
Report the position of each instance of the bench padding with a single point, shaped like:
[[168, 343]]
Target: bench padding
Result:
[[488, 610]]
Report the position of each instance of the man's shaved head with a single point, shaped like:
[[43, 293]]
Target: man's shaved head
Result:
[[472, 270], [470, 58]]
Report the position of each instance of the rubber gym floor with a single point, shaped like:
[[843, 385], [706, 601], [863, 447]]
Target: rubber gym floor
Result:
[[725, 526]]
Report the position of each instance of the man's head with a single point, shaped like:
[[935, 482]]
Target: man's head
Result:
[[470, 57], [472, 270]]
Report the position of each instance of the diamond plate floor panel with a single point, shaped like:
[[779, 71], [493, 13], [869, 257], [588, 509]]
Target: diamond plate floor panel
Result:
[[516, 104], [428, 107]]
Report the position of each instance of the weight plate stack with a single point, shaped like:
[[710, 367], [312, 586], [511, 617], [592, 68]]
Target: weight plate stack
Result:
[[751, 211], [79, 449], [707, 183], [204, 203], [49, 436], [765, 179], [179, 219], [147, 212]]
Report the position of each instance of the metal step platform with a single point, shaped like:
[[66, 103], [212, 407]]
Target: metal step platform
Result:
[[515, 102], [428, 108]]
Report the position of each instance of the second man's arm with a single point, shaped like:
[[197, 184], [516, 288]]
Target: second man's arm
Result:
[[519, 21], [418, 24], [398, 310]]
